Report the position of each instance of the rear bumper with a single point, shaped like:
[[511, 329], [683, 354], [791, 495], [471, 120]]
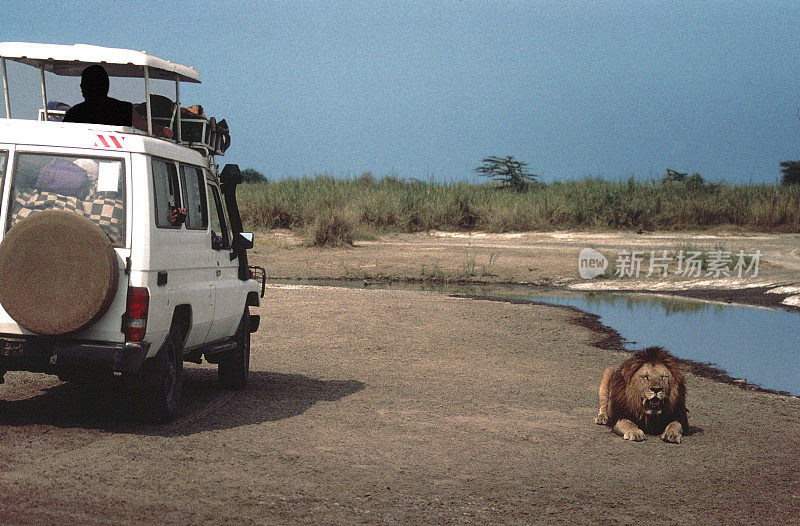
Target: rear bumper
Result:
[[54, 356]]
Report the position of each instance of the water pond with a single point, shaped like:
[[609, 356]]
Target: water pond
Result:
[[757, 344]]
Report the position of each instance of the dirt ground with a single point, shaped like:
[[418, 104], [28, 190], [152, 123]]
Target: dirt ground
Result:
[[545, 259], [397, 407]]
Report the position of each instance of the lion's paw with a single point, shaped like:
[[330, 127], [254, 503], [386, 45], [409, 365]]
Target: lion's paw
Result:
[[601, 419], [637, 435], [671, 436]]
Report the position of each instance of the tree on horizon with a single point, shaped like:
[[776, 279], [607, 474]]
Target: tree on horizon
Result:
[[251, 175], [510, 172], [791, 172]]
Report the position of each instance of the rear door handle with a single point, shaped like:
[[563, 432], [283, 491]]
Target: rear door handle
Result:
[[219, 272]]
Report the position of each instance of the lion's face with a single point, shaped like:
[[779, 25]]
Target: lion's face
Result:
[[648, 390], [651, 385]]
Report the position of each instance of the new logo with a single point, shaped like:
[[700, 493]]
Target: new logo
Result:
[[591, 263]]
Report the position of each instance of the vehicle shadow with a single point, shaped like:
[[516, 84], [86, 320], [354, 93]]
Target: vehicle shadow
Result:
[[206, 405]]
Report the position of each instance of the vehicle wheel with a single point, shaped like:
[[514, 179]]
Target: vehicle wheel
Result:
[[161, 382], [234, 367], [60, 272]]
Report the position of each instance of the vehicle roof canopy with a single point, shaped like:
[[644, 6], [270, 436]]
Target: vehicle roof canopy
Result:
[[70, 60]]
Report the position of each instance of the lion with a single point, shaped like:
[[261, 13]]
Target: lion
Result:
[[645, 395]]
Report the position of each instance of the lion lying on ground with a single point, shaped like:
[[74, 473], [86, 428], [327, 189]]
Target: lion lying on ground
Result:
[[646, 394]]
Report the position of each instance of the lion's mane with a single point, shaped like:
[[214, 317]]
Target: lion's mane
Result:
[[626, 397]]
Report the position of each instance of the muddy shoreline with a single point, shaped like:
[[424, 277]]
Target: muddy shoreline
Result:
[[755, 296], [751, 296]]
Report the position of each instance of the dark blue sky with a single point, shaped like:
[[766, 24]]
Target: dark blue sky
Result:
[[427, 89]]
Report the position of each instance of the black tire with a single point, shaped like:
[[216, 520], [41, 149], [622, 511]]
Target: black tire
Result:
[[161, 382], [234, 366]]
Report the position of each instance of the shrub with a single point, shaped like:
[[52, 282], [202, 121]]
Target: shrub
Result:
[[331, 228]]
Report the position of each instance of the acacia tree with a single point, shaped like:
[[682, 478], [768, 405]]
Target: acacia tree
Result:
[[510, 172], [251, 175]]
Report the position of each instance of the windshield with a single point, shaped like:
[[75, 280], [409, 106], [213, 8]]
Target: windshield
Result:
[[88, 186]]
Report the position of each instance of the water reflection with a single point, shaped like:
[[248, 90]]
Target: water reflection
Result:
[[669, 304]]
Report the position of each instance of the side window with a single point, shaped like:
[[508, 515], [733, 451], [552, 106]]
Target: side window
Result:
[[194, 195], [167, 197], [3, 160], [220, 237]]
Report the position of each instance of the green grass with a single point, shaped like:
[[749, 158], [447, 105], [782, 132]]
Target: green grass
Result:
[[336, 211]]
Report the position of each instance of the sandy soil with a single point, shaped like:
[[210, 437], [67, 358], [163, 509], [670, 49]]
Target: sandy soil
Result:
[[396, 407], [543, 259]]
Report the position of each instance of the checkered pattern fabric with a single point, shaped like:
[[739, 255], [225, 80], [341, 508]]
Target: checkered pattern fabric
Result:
[[21, 210], [106, 212], [30, 202]]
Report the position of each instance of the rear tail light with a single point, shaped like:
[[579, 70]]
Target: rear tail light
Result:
[[136, 314]]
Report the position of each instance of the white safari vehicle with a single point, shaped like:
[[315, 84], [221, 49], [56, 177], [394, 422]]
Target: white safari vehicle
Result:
[[121, 252]]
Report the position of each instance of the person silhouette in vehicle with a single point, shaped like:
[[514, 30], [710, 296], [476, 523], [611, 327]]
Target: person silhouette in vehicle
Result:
[[99, 108]]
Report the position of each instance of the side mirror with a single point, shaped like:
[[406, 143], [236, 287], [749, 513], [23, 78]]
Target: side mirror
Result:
[[243, 241]]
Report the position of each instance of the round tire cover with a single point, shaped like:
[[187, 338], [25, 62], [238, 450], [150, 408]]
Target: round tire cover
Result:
[[58, 272]]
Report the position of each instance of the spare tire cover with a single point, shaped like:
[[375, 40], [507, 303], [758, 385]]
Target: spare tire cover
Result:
[[58, 272]]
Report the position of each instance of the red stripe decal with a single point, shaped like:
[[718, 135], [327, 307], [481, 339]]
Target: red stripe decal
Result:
[[103, 140], [115, 141]]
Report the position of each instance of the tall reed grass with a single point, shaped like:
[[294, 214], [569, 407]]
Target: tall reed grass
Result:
[[366, 206]]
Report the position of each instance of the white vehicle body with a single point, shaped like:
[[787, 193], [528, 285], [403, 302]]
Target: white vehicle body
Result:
[[195, 292]]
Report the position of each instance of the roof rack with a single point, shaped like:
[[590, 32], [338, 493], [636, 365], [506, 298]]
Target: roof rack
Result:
[[71, 60]]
